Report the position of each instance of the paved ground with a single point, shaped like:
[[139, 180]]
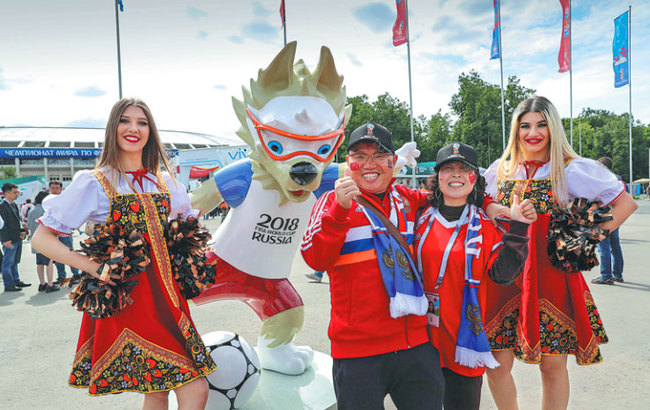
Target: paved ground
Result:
[[39, 332]]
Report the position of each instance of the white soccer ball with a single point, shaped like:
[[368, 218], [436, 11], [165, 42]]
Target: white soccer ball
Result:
[[238, 370]]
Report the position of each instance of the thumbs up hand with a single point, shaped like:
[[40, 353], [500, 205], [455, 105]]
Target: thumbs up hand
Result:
[[522, 211], [346, 189]]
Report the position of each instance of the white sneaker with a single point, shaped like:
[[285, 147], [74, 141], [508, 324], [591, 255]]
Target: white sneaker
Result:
[[313, 276]]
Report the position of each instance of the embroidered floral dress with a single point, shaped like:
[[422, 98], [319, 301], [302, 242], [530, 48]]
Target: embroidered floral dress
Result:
[[547, 311], [152, 345]]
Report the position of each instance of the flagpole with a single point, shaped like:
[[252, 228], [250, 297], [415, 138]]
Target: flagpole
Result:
[[408, 53], [503, 107], [629, 84], [571, 71], [579, 135], [285, 34], [284, 22], [119, 58]]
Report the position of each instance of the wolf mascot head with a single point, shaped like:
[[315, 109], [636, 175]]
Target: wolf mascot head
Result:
[[294, 121]]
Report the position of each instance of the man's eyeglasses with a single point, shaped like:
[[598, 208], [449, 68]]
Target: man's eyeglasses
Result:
[[376, 157]]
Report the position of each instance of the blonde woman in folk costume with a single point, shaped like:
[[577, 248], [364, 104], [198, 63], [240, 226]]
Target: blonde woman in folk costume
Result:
[[547, 313], [152, 344]]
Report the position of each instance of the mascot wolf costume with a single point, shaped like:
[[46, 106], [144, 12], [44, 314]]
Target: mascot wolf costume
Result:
[[294, 121]]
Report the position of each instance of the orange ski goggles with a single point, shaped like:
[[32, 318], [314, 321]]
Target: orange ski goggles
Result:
[[283, 145]]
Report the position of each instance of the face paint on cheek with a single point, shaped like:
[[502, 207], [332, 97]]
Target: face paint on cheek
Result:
[[389, 163], [472, 178], [354, 166]]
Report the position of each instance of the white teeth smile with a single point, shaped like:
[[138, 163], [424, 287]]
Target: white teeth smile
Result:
[[370, 176], [131, 138], [456, 184]]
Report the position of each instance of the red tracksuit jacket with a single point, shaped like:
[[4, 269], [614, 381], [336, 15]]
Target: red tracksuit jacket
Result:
[[337, 241]]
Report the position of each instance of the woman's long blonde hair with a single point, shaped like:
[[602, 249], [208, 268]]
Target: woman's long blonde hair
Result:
[[560, 151], [153, 152]]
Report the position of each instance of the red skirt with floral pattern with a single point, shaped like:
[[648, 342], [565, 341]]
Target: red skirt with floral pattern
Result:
[[546, 311], [150, 346]]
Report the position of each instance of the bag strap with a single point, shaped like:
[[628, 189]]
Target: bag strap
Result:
[[395, 233]]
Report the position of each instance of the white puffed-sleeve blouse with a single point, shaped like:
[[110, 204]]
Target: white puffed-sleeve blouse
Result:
[[86, 200], [585, 178]]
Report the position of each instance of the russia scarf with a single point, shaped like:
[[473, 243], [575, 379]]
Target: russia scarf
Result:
[[472, 346], [401, 279]]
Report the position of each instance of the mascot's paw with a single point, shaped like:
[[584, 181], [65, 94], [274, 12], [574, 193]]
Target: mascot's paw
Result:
[[286, 358], [407, 155]]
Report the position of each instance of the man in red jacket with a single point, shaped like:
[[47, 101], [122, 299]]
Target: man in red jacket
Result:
[[380, 346]]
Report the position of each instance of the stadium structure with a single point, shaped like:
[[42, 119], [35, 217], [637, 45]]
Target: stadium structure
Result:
[[58, 152]]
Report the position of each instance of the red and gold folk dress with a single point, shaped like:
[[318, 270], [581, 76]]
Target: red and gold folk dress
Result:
[[547, 311], [152, 345]]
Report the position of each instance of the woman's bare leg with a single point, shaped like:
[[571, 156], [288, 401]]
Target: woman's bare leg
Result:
[[193, 395], [155, 401], [555, 382], [502, 385]]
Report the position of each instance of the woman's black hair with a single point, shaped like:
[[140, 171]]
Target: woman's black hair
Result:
[[40, 197], [475, 197]]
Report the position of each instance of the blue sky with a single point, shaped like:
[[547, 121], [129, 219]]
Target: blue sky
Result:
[[186, 59]]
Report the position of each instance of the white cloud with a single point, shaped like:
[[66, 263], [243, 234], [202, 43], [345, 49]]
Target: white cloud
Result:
[[87, 123], [354, 60], [195, 13], [259, 10], [59, 49], [378, 17], [91, 91], [261, 31]]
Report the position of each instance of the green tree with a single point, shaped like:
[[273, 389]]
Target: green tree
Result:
[[477, 104], [387, 111], [605, 134], [8, 172], [435, 133]]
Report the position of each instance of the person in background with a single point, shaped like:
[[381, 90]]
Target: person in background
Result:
[[56, 188], [12, 242], [224, 208], [2, 224], [44, 265], [316, 276], [610, 247], [25, 209]]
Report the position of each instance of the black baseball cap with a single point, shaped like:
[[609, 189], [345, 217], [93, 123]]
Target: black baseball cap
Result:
[[457, 151], [373, 132]]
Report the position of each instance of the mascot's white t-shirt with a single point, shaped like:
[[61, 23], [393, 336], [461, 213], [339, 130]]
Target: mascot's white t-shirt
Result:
[[258, 236]]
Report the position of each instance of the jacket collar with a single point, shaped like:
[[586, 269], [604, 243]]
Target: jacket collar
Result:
[[384, 204]]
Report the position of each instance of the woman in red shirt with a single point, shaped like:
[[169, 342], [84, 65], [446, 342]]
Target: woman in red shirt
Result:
[[456, 244]]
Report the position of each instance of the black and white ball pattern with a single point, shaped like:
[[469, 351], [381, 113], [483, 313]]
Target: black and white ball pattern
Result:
[[238, 370]]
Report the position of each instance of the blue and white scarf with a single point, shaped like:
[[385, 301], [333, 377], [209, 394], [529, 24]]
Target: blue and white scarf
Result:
[[472, 346], [401, 279]]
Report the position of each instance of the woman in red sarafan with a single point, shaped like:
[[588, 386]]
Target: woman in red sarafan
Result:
[[151, 346], [547, 313]]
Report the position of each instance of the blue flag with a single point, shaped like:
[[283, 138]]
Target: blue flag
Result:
[[621, 51], [119, 3], [495, 49]]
